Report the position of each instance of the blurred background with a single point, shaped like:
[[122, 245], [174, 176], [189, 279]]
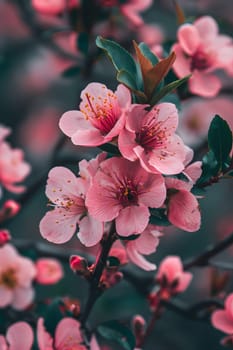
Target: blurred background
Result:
[[43, 69]]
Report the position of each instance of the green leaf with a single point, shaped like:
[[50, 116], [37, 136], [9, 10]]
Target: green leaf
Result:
[[115, 331], [110, 148], [71, 72], [210, 167], [113, 261], [159, 217], [220, 140], [53, 315], [167, 89], [126, 78], [121, 58], [148, 53], [83, 42]]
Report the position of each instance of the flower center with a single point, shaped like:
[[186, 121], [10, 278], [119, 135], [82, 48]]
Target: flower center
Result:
[[127, 193], [8, 278], [102, 111], [199, 61]]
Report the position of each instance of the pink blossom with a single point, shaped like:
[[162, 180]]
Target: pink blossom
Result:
[[223, 319], [145, 244], [150, 137], [132, 8], [49, 271], [68, 335], [16, 276], [182, 205], [171, 275], [4, 132], [151, 34], [18, 336], [101, 116], [67, 194], [122, 190], [201, 50], [53, 7], [13, 168]]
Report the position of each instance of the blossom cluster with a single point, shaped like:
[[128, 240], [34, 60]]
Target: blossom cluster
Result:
[[126, 187]]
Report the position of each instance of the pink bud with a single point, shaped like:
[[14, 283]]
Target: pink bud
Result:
[[79, 265], [9, 209], [4, 237], [49, 271], [138, 324]]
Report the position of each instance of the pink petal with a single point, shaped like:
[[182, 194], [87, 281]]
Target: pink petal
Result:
[[3, 344], [72, 121], [129, 12], [138, 259], [220, 321], [153, 193], [126, 144], [20, 336], [45, 341], [167, 115], [6, 296], [90, 231], [67, 330], [123, 96], [171, 267], [189, 38], [22, 298], [148, 241], [204, 84], [193, 171], [207, 28], [26, 272], [184, 281], [91, 137], [132, 220], [135, 117], [93, 344], [229, 306], [183, 211], [182, 63]]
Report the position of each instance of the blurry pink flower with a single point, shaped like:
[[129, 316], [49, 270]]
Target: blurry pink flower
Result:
[[101, 116], [182, 205], [131, 9], [53, 7], [16, 276], [68, 335], [223, 319], [201, 50], [49, 271], [122, 190], [67, 194], [171, 275], [5, 237], [18, 336], [4, 132], [150, 137], [145, 244], [13, 168]]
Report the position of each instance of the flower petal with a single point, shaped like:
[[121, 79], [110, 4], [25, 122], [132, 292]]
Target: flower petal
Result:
[[20, 336], [132, 220], [90, 231], [189, 38]]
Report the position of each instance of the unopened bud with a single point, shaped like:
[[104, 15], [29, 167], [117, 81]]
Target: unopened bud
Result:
[[79, 265], [138, 324], [9, 209], [4, 237]]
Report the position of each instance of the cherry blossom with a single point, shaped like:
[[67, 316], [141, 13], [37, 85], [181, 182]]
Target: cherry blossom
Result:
[[101, 116], [67, 194], [18, 336], [171, 275], [68, 335], [53, 7], [49, 271], [150, 137], [122, 190], [201, 50], [16, 276], [182, 205], [145, 244], [223, 319]]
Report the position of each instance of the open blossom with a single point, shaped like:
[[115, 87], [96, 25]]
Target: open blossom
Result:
[[67, 194], [182, 205], [171, 275], [67, 336], [13, 168], [223, 319], [123, 190], [145, 244], [101, 116], [201, 50], [16, 276], [150, 137], [49, 271], [53, 7], [18, 336]]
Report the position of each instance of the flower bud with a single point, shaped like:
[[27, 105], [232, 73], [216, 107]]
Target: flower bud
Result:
[[138, 324], [4, 237], [9, 209], [79, 265]]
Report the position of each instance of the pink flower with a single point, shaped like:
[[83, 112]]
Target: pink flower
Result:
[[132, 8], [18, 336], [145, 244], [16, 276], [223, 319], [182, 205], [13, 168], [49, 271], [171, 276], [53, 7], [122, 190], [150, 34], [68, 335], [4, 132], [101, 116], [150, 137], [201, 50], [67, 194]]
